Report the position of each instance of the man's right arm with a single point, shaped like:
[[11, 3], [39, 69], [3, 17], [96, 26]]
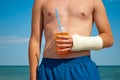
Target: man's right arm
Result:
[[35, 39]]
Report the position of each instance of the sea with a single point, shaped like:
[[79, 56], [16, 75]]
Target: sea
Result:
[[22, 72]]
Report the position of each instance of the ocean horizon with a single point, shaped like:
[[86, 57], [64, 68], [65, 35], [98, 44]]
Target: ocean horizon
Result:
[[22, 72]]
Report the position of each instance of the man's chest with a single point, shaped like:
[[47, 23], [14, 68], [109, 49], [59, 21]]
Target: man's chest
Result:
[[68, 8]]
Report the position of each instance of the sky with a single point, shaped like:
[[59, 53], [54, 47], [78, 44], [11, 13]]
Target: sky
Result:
[[15, 30]]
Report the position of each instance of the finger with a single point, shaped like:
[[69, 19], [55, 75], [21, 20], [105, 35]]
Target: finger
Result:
[[64, 41], [63, 37], [64, 45], [65, 49]]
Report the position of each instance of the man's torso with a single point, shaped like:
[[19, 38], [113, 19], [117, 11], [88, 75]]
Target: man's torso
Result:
[[75, 15]]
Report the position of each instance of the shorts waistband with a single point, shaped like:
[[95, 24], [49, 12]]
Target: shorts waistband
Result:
[[49, 61]]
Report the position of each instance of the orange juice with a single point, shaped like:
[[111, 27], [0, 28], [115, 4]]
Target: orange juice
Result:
[[57, 48]]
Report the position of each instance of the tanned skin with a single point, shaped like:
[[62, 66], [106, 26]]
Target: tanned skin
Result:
[[77, 16]]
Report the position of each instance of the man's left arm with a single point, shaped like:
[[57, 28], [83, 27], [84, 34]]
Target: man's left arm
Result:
[[102, 24]]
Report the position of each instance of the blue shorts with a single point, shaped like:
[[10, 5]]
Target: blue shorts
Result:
[[80, 68]]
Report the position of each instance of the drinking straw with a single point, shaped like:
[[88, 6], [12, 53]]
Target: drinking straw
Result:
[[58, 19]]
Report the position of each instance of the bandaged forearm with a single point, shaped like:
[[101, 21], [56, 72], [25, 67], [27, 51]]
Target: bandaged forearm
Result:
[[86, 43]]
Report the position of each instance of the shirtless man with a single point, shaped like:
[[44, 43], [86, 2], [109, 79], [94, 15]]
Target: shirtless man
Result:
[[78, 16]]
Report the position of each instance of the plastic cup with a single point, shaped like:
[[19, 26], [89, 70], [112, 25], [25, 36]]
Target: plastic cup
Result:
[[63, 32]]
